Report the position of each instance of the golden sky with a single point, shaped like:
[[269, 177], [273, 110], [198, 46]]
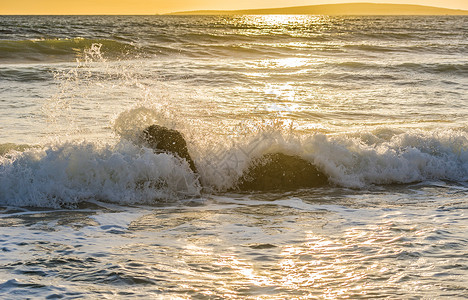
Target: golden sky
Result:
[[165, 6]]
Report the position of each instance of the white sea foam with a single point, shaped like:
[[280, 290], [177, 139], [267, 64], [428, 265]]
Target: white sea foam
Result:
[[66, 174], [400, 158]]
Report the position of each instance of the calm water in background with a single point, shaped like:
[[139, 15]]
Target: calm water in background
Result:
[[377, 103]]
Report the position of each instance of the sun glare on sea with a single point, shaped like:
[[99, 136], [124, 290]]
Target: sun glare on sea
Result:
[[283, 20]]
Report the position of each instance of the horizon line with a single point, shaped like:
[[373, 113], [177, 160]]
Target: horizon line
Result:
[[246, 11], [242, 11]]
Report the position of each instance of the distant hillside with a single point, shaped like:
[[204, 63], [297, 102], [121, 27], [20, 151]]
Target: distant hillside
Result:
[[337, 9]]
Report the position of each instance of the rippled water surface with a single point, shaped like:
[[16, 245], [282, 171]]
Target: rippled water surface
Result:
[[377, 104], [333, 244]]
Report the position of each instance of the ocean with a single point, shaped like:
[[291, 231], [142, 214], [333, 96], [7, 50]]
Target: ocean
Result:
[[377, 104]]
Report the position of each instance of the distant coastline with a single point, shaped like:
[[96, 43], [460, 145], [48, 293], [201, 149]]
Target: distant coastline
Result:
[[336, 9]]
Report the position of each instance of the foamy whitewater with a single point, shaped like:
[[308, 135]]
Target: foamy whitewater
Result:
[[377, 104]]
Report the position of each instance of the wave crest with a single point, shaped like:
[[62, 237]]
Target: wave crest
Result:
[[64, 175]]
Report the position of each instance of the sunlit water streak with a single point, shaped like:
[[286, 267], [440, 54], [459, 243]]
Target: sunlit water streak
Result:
[[377, 103]]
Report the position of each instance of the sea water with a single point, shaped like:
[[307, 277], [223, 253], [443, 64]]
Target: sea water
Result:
[[378, 104]]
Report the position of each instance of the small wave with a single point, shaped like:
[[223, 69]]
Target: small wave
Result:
[[56, 50], [437, 68], [460, 69], [11, 147], [26, 74], [371, 48]]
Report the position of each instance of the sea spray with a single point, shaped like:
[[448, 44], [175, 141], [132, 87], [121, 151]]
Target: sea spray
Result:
[[95, 80]]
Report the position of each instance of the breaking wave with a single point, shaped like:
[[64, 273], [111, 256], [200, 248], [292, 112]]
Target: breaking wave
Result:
[[66, 174]]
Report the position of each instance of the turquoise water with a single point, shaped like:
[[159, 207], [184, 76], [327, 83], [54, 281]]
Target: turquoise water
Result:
[[375, 103]]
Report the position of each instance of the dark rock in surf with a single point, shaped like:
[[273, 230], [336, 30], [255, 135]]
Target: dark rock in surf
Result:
[[163, 139], [274, 171], [278, 171]]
